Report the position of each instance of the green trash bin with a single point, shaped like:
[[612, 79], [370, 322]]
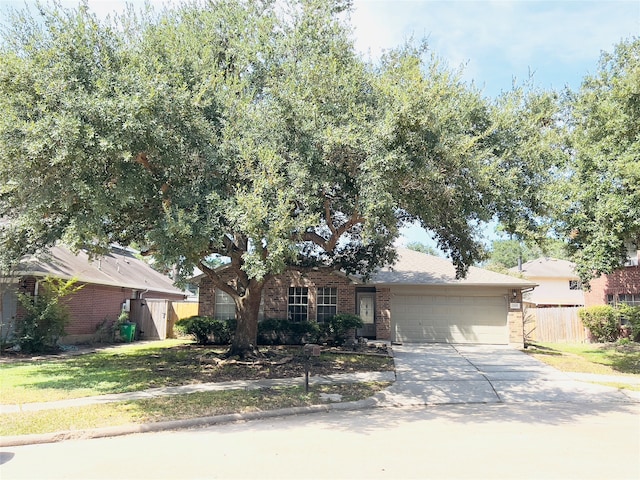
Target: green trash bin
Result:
[[128, 331]]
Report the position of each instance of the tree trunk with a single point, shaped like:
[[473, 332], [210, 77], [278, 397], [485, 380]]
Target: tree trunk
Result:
[[245, 341]]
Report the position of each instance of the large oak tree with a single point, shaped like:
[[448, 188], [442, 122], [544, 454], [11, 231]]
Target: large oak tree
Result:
[[255, 131]]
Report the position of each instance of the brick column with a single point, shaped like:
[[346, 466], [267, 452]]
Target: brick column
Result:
[[515, 321], [383, 314]]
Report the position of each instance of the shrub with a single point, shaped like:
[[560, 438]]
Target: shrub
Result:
[[335, 330], [279, 331], [207, 330], [602, 322], [272, 331], [46, 317], [302, 332], [632, 317]]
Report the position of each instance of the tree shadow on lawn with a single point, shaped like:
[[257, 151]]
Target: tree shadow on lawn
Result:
[[113, 372], [622, 358]]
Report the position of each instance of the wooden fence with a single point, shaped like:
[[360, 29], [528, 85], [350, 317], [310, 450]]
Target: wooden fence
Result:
[[155, 318], [555, 325]]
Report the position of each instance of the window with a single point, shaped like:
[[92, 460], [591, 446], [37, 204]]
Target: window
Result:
[[575, 285], [298, 305], [327, 303], [631, 299], [225, 306]]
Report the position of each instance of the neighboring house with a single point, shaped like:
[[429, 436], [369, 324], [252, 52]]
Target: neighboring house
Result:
[[558, 283], [621, 286], [418, 299], [111, 283]]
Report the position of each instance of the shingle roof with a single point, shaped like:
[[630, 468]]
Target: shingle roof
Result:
[[548, 268], [416, 268], [119, 268]]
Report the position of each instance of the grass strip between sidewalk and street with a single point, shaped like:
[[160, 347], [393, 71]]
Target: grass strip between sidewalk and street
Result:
[[179, 407]]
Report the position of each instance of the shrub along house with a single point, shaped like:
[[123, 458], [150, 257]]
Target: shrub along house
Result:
[[111, 283], [418, 299]]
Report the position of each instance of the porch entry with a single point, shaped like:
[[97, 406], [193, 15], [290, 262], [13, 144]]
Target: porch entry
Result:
[[366, 310]]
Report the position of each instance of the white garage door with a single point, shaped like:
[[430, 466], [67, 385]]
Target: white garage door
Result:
[[449, 319]]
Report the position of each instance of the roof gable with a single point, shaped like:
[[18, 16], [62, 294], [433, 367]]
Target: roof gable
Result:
[[548, 268]]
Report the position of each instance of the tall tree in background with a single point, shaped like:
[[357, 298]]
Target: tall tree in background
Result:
[[251, 130], [603, 187]]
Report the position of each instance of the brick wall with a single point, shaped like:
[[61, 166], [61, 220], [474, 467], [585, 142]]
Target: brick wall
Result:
[[276, 293], [624, 280], [91, 305]]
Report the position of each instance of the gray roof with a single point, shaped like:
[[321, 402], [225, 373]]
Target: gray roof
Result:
[[416, 268], [119, 268], [548, 268]]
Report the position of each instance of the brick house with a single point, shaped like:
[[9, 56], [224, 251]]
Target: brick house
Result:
[[621, 286], [418, 299], [110, 283]]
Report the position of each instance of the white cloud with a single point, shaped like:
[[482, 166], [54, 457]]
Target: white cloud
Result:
[[499, 40]]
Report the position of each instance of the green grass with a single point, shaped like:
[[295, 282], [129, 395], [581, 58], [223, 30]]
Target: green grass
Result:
[[177, 407], [121, 369], [135, 367], [603, 359]]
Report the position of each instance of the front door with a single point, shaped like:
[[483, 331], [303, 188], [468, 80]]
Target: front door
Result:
[[367, 312]]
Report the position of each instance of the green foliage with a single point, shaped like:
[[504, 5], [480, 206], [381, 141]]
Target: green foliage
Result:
[[207, 330], [276, 331], [422, 248], [602, 322], [631, 316], [602, 209], [504, 254], [46, 315], [335, 330], [253, 131]]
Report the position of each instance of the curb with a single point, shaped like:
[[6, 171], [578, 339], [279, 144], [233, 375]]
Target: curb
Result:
[[129, 429]]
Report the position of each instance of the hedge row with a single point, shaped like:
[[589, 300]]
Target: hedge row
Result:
[[208, 330]]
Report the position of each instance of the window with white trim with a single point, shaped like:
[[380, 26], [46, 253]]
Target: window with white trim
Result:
[[631, 299], [327, 303], [298, 304], [225, 306]]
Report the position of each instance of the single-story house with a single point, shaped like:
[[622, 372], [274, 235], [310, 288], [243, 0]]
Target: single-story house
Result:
[[110, 283], [558, 283], [417, 299]]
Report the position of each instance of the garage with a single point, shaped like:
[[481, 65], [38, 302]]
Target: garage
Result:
[[449, 318], [424, 301]]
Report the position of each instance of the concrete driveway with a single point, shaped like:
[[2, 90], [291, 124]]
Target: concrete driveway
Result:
[[452, 374]]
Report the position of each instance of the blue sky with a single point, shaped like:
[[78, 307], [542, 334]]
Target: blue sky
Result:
[[497, 42]]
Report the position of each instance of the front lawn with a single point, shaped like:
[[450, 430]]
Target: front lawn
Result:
[[135, 367], [603, 359]]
